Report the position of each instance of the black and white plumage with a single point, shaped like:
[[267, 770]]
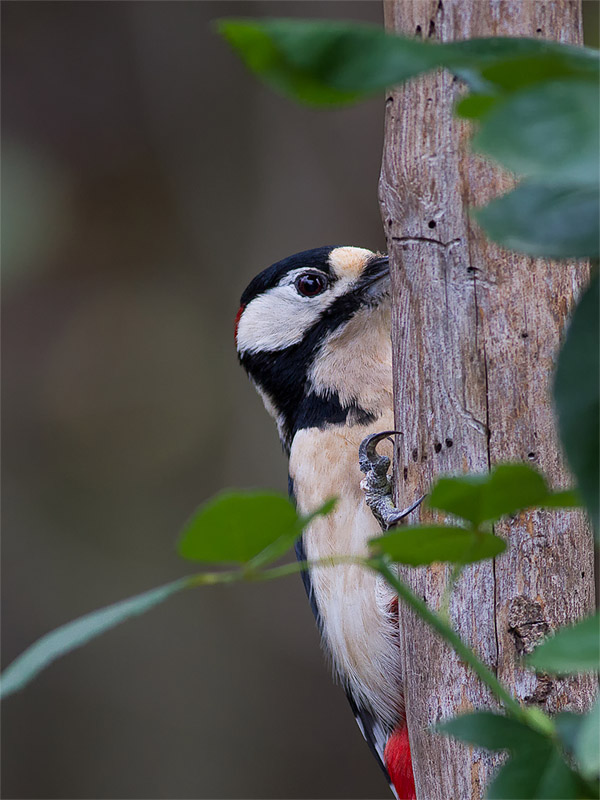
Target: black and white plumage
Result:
[[313, 333]]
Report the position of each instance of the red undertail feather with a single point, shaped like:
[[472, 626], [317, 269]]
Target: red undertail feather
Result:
[[399, 765], [237, 321]]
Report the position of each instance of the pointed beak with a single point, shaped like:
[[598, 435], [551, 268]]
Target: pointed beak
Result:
[[375, 277]]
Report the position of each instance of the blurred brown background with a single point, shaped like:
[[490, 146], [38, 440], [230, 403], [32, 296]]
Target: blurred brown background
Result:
[[146, 178]]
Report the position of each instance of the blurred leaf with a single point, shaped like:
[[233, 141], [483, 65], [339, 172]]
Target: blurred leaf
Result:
[[280, 546], [508, 488], [506, 64], [567, 726], [36, 214], [291, 58], [550, 130], [237, 526], [530, 66], [538, 774], [540, 721], [492, 731], [77, 633], [570, 650], [328, 63], [580, 735], [543, 219], [566, 499], [535, 769], [577, 398], [475, 106], [426, 544], [587, 748]]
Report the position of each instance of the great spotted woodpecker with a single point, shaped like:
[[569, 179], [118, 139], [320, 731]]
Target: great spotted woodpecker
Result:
[[313, 333]]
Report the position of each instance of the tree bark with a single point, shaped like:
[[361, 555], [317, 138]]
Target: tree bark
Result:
[[476, 332]]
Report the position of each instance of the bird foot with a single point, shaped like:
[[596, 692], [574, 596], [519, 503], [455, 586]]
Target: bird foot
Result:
[[377, 486]]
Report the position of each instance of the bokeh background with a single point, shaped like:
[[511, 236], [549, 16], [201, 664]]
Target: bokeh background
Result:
[[146, 177]]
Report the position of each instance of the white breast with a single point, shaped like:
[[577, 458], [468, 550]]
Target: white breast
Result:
[[354, 603]]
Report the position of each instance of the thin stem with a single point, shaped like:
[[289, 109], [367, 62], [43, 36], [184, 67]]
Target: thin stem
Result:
[[433, 619], [212, 578], [301, 566], [442, 627], [245, 574], [455, 574]]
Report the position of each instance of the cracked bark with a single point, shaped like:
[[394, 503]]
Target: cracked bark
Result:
[[476, 331]]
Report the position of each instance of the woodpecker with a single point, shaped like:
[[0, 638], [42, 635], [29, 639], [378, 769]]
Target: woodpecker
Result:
[[313, 333]]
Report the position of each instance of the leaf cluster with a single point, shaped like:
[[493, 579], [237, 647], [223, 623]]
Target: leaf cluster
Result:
[[549, 759], [535, 108], [537, 766], [479, 500], [535, 104]]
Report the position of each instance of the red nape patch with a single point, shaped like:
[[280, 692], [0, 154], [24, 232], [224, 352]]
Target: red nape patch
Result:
[[399, 764], [237, 321], [393, 611]]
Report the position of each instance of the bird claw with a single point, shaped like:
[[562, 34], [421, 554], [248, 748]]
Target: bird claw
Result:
[[376, 485]]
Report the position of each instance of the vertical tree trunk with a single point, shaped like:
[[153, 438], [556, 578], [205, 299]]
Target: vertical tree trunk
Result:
[[476, 332]]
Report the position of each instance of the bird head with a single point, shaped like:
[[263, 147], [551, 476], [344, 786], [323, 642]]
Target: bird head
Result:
[[312, 331]]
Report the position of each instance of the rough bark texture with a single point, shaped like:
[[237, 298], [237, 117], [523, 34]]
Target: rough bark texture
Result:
[[476, 333]]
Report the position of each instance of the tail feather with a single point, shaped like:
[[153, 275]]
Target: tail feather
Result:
[[391, 751]]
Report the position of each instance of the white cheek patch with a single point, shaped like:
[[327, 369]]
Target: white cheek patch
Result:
[[280, 317], [277, 319], [349, 262]]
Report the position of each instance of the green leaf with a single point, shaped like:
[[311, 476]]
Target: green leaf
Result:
[[549, 130], [75, 634], [288, 58], [577, 398], [280, 546], [475, 106], [492, 731], [549, 62], [331, 63], [538, 774], [536, 768], [567, 726], [237, 526], [542, 219], [507, 489], [580, 736], [567, 499], [572, 649], [426, 544], [587, 747]]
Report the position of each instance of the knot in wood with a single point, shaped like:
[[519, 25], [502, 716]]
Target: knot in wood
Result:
[[527, 624], [542, 691]]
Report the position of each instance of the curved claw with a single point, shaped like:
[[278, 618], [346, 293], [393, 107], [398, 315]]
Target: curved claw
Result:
[[397, 515], [377, 486], [368, 457]]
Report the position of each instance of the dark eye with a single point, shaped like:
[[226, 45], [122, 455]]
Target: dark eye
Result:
[[311, 284]]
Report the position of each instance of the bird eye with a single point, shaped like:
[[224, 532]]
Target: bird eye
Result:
[[310, 284]]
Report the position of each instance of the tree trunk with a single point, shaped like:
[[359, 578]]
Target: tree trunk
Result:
[[476, 332]]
